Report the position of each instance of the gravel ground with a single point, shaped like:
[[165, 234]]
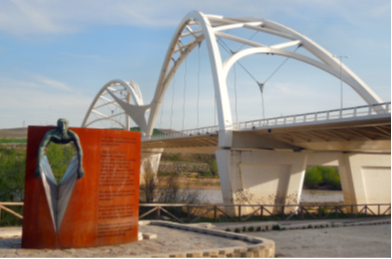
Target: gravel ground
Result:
[[169, 240], [357, 241]]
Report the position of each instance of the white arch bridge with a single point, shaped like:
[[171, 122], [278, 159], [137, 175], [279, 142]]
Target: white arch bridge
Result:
[[267, 156]]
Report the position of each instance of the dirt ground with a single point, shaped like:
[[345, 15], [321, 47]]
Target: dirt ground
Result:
[[193, 183], [357, 241]]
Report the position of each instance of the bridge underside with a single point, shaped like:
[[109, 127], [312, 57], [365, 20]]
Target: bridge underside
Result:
[[363, 136], [271, 161]]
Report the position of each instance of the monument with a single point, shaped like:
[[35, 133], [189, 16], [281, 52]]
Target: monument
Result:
[[97, 201]]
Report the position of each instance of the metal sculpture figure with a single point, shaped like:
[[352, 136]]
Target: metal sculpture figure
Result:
[[60, 135]]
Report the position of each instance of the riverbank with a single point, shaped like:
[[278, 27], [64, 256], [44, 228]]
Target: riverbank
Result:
[[210, 190], [185, 183]]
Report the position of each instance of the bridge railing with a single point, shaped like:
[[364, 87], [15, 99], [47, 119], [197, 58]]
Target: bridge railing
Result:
[[352, 112], [185, 133]]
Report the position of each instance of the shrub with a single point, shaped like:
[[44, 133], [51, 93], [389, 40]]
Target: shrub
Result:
[[213, 167], [170, 192], [313, 177], [322, 175], [59, 157], [276, 227], [330, 176], [12, 173], [148, 188]]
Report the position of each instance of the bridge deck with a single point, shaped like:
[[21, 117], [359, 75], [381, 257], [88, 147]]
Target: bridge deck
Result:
[[367, 133]]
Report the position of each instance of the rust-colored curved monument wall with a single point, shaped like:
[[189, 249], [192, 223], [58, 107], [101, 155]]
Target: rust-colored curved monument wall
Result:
[[103, 206]]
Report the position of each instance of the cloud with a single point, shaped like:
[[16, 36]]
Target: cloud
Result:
[[11, 83], [51, 83], [24, 17], [34, 81]]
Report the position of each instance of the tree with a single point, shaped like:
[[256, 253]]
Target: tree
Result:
[[12, 172]]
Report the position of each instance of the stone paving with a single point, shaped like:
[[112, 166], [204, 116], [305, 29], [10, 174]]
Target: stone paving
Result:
[[188, 240], [170, 242]]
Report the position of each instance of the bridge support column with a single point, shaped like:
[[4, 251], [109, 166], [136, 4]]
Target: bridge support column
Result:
[[150, 163], [366, 179], [260, 177]]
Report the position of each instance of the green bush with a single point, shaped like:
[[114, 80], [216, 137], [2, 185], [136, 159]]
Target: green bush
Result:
[[213, 167], [59, 157], [330, 176], [313, 177], [12, 173], [322, 175]]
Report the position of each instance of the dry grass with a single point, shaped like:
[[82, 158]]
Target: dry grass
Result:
[[192, 183], [13, 133]]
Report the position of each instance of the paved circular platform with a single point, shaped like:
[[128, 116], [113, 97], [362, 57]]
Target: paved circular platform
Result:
[[172, 240]]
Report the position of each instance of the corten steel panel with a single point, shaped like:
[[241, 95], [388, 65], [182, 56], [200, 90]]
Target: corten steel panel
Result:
[[104, 205]]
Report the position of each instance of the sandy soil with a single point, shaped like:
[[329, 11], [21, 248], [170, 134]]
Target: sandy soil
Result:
[[358, 241]]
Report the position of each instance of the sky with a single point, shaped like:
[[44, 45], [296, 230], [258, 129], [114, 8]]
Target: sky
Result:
[[56, 55]]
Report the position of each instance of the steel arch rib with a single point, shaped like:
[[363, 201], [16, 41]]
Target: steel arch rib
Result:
[[355, 82], [368, 97], [131, 87], [221, 95], [220, 70]]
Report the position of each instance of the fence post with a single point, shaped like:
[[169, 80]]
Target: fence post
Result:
[[336, 212], [352, 210], [215, 213], [158, 215], [302, 212], [188, 216], [283, 212], [239, 212], [319, 211], [365, 210], [261, 212], [378, 210]]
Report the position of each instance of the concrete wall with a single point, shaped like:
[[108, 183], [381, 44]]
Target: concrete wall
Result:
[[266, 177], [271, 177]]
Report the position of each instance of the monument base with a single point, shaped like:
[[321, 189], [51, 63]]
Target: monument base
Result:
[[103, 206]]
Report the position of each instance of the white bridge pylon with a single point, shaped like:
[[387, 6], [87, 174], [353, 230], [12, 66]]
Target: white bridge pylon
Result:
[[197, 27]]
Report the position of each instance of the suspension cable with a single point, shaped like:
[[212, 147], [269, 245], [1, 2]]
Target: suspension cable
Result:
[[276, 70], [174, 86], [261, 85], [232, 52], [248, 39], [184, 95], [198, 87]]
